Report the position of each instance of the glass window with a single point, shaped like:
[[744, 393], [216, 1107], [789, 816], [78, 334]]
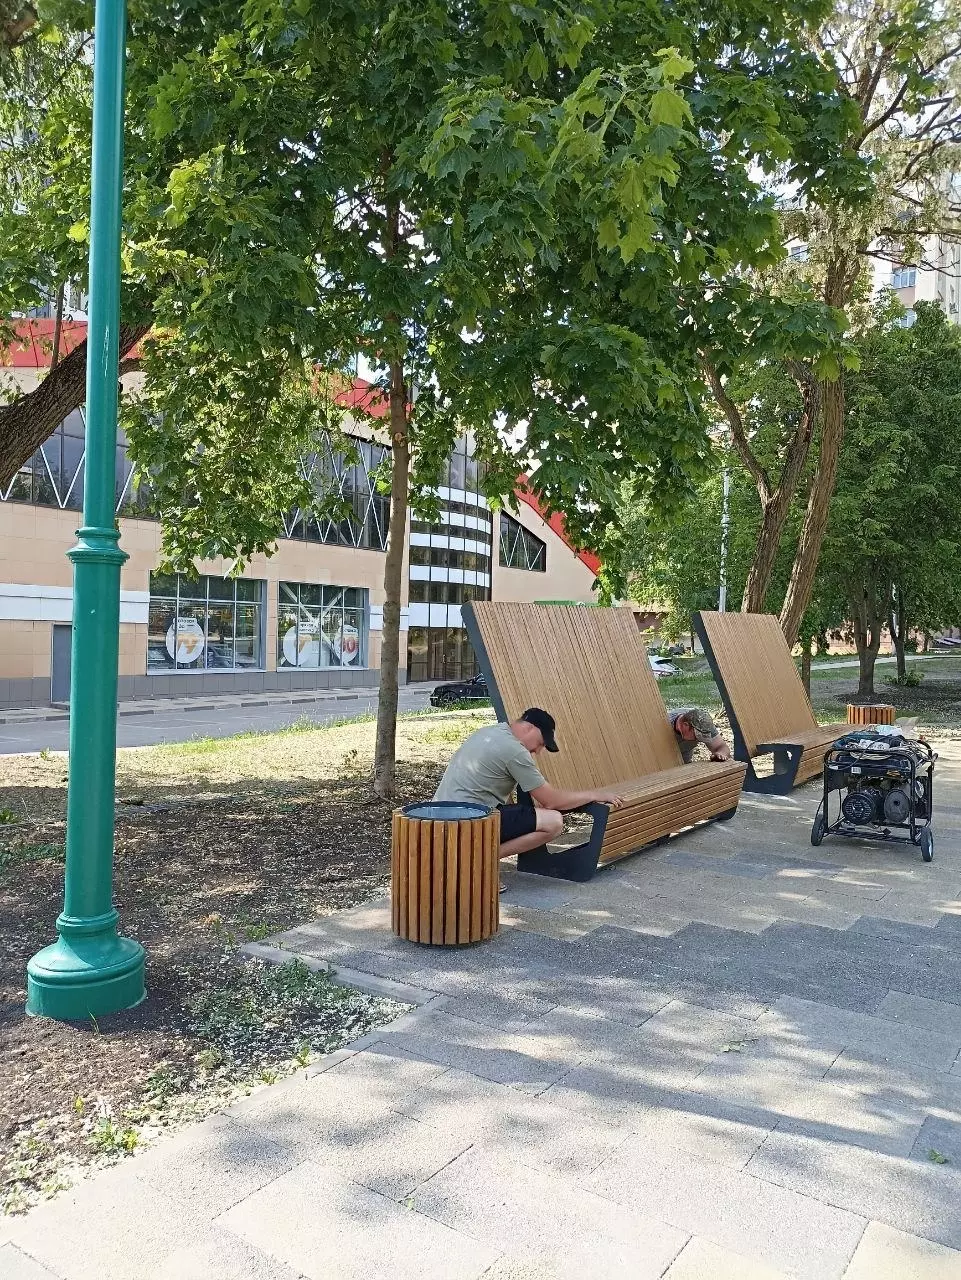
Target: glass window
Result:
[[196, 624], [321, 627], [519, 548], [439, 653], [904, 277]]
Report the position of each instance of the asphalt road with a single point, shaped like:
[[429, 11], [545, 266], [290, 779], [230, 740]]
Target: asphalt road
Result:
[[178, 725]]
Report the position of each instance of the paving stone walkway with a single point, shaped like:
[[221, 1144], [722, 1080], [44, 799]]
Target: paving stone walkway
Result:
[[733, 1058]]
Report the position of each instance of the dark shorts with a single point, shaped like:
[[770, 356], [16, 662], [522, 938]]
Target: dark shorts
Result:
[[517, 820]]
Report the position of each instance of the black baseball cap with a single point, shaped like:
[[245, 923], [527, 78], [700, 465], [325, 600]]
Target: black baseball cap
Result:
[[541, 720]]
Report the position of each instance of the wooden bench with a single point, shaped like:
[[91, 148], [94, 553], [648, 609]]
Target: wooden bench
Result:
[[589, 669], [764, 698]]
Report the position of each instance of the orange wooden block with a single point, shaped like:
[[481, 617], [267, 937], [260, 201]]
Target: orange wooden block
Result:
[[875, 713]]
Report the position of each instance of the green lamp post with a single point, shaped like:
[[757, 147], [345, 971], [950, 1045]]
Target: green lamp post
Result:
[[90, 970]]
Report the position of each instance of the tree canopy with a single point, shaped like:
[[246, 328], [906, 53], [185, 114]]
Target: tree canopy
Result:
[[536, 215]]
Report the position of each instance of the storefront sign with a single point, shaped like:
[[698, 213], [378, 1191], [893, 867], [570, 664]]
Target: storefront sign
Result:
[[347, 644], [302, 645], [185, 640]]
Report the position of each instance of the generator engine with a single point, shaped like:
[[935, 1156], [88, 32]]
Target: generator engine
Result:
[[879, 791]]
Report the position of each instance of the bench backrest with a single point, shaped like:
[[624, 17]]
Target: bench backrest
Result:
[[759, 682], [589, 669]]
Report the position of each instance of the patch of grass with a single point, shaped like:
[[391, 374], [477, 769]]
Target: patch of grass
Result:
[[448, 733], [697, 690], [7, 816], [108, 1137], [258, 1013], [16, 855], [910, 680]]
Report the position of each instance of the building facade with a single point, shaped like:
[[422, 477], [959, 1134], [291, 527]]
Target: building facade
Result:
[[308, 617]]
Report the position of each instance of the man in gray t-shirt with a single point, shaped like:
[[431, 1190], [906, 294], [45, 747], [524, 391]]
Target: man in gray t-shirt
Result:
[[495, 760]]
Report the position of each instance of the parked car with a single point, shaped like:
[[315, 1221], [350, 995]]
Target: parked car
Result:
[[661, 667], [472, 690]]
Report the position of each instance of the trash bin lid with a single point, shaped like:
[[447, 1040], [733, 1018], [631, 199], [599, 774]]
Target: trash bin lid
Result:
[[445, 811]]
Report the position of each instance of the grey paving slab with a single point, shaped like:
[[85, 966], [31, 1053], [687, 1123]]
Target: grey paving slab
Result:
[[777, 1226], [534, 1131], [16, 1265], [504, 1057], [342, 1113], [713, 1130], [510, 1011], [223, 1257], [325, 1227], [917, 1012], [213, 1165], [114, 1227], [907, 1194], [536, 891], [883, 1121], [548, 1219], [815, 1026], [939, 1137], [702, 1260], [887, 1254], [720, 866]]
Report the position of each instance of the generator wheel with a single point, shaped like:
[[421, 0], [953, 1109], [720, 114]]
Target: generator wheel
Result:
[[818, 830], [927, 844]]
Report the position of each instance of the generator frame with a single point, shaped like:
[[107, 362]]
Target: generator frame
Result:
[[837, 776]]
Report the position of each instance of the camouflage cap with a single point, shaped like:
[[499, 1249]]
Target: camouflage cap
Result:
[[704, 727]]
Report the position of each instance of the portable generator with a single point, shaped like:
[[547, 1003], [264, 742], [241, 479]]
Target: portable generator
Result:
[[886, 787]]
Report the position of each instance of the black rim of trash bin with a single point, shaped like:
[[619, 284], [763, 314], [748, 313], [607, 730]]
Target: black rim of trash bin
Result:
[[450, 811]]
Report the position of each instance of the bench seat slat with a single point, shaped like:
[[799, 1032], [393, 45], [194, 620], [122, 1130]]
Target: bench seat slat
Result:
[[808, 738]]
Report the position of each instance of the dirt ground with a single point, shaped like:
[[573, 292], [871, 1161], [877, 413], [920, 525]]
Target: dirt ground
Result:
[[218, 842]]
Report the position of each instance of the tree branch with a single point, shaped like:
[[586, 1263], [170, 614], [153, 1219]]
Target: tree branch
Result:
[[738, 434]]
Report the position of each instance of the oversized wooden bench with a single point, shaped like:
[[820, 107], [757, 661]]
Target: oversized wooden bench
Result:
[[589, 669], [764, 698]]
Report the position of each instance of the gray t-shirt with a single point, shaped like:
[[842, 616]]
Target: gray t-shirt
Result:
[[487, 767]]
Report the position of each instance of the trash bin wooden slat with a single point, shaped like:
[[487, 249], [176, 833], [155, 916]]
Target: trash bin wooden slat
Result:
[[871, 713], [444, 873]]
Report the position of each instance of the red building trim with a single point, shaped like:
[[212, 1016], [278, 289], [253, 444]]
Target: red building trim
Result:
[[33, 346], [556, 524]]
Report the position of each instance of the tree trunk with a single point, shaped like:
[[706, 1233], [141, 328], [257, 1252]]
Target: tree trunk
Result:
[[385, 747], [806, 664], [899, 632], [775, 513], [29, 420], [868, 614], [57, 328], [775, 501], [927, 642], [816, 514]]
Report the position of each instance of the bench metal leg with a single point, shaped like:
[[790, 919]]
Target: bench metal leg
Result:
[[781, 781], [576, 863]]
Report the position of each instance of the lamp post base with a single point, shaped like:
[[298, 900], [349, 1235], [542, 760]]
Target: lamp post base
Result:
[[88, 972]]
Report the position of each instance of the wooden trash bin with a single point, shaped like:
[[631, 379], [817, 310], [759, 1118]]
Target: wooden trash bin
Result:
[[444, 873], [871, 713]]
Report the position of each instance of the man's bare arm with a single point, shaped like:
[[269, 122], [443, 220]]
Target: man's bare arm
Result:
[[549, 797]]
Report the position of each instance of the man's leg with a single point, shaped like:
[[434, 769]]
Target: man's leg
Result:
[[523, 827]]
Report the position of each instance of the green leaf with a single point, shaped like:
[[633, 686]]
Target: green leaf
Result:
[[608, 233], [668, 107], [536, 63]]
